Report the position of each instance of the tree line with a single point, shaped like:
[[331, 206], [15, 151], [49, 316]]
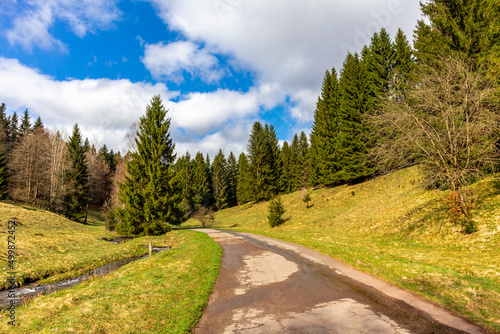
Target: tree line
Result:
[[435, 104], [41, 167]]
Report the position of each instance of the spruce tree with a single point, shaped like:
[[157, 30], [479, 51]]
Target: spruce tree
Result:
[[286, 177], [404, 65], [379, 64], [245, 181], [76, 198], [261, 157], [353, 132], [325, 132], [201, 183], [232, 179], [220, 181], [13, 129], [184, 174], [150, 193], [25, 123], [303, 160], [274, 159], [38, 123]]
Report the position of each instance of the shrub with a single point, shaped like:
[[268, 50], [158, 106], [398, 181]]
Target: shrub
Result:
[[276, 212]]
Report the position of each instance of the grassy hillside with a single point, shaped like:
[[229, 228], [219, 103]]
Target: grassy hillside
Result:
[[164, 293], [53, 247], [397, 231]]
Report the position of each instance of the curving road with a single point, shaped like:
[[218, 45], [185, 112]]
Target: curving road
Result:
[[270, 286]]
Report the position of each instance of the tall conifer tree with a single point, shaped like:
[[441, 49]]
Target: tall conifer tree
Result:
[[220, 181], [352, 126], [201, 182], [261, 158], [76, 197], [325, 132], [150, 192], [303, 160], [232, 166], [287, 166], [245, 181]]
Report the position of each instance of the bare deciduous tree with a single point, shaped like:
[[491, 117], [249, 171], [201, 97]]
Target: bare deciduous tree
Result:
[[28, 165], [99, 178], [57, 168], [446, 124]]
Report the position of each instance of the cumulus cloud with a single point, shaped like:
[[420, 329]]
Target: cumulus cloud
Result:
[[204, 112], [100, 105], [169, 61], [105, 109], [33, 22], [288, 43]]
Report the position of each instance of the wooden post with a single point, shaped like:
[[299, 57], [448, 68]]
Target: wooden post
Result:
[[150, 248]]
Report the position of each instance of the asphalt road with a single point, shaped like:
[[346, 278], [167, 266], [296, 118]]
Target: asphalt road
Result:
[[270, 286]]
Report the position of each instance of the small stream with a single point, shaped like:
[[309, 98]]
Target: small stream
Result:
[[34, 290]]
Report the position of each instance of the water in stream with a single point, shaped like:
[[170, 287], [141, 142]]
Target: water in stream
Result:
[[34, 290]]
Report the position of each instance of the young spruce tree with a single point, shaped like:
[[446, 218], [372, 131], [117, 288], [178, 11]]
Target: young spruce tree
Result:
[[150, 193], [76, 198]]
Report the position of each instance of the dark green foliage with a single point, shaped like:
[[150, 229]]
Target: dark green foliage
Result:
[[25, 123], [38, 123], [353, 132], [13, 129], [184, 175], [244, 187], [108, 157], [287, 164], [150, 193], [76, 198], [201, 182], [220, 181], [263, 153], [325, 132], [303, 161], [274, 159], [232, 179], [404, 65], [379, 64], [276, 212]]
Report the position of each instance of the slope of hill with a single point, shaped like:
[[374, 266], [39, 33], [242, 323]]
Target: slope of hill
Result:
[[164, 293], [395, 230]]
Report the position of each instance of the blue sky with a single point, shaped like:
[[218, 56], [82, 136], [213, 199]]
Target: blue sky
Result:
[[219, 65]]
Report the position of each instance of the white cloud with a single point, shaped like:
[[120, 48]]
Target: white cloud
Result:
[[33, 22], [104, 109], [102, 106], [288, 43], [169, 61], [204, 112]]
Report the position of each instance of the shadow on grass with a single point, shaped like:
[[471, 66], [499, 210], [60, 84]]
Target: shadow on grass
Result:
[[430, 214]]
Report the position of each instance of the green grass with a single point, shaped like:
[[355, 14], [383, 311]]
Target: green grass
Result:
[[51, 247], [165, 293], [399, 232]]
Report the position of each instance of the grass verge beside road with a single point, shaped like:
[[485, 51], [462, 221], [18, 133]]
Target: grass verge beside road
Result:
[[164, 293], [397, 231]]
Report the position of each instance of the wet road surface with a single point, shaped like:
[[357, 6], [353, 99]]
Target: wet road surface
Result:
[[270, 286]]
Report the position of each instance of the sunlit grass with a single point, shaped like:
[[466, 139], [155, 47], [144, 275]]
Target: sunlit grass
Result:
[[165, 293], [53, 247], [395, 230]]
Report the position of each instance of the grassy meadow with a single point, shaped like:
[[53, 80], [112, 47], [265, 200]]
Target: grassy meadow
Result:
[[397, 231], [164, 293]]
